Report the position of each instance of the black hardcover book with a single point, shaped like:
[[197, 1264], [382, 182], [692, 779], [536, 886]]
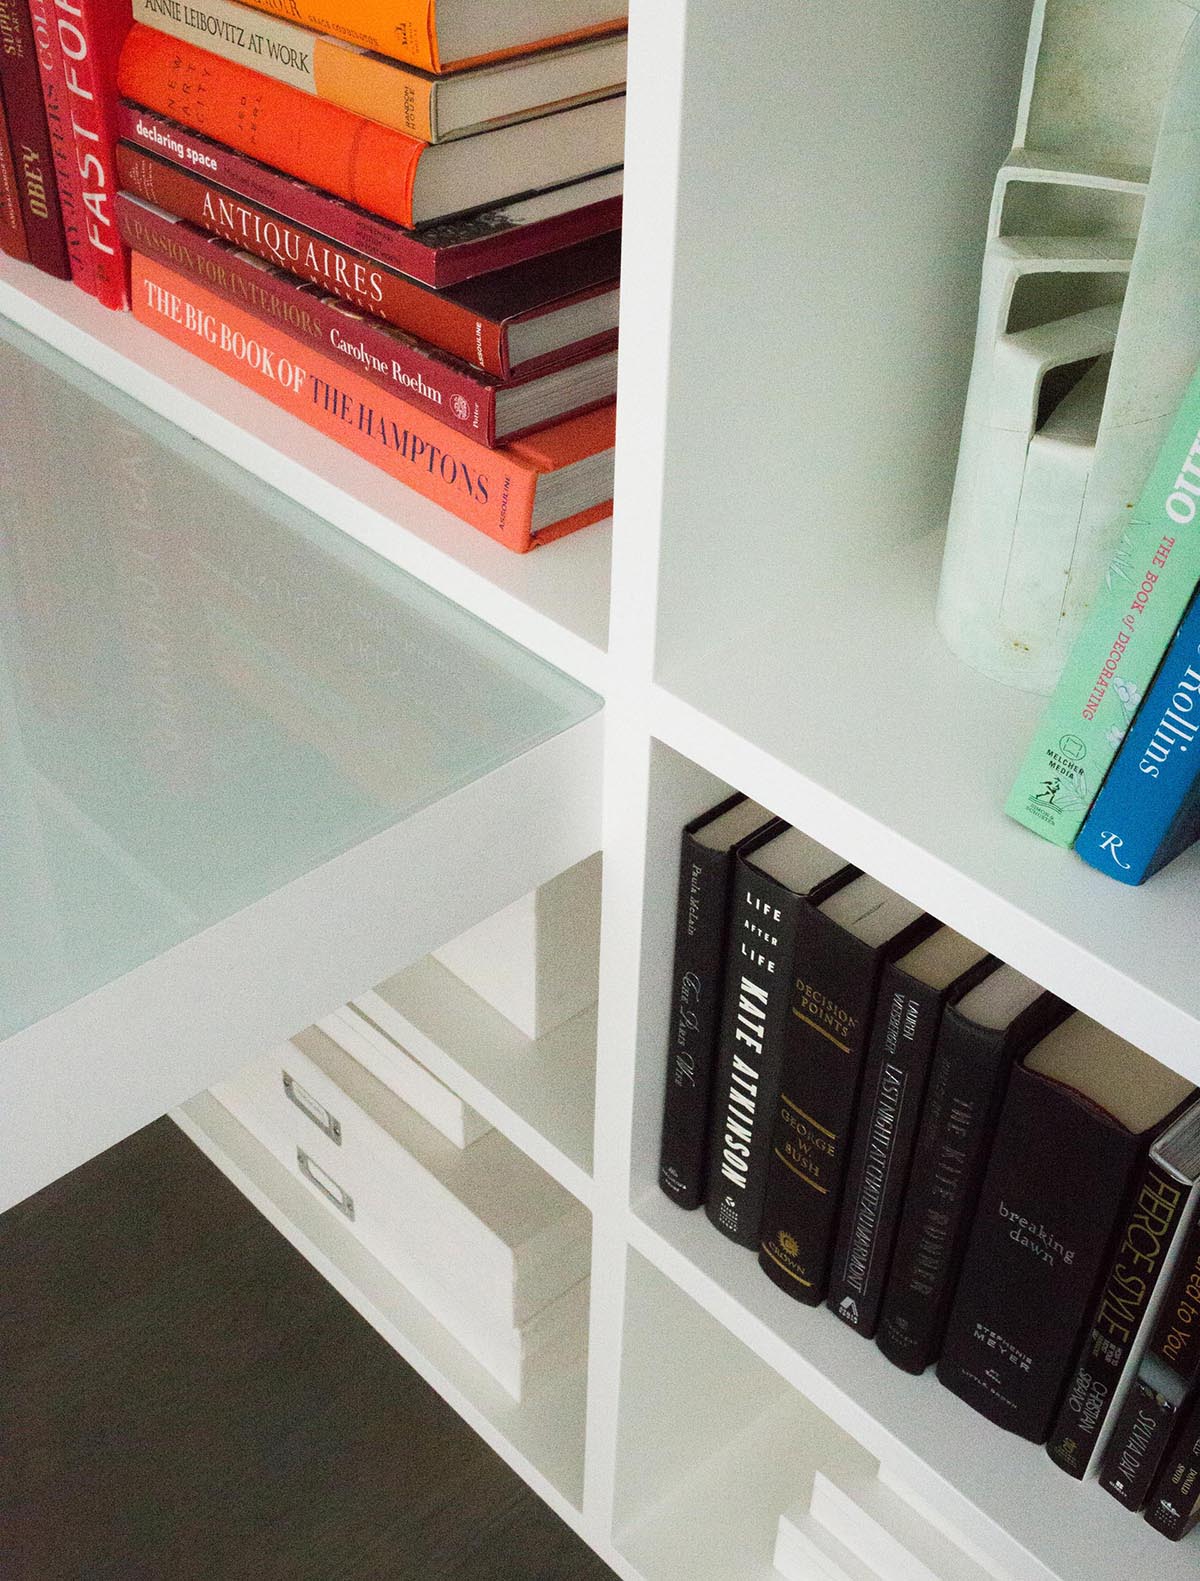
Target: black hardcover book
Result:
[[1174, 1505], [1161, 1206], [913, 992], [1081, 1111], [843, 945], [979, 1038], [1166, 1377], [777, 876], [705, 869]]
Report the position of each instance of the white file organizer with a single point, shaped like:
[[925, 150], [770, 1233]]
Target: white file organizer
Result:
[[1088, 331]]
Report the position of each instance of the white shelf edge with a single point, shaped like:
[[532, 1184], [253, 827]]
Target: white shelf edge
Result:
[[1106, 992], [1012, 1504], [516, 594], [436, 1056], [87, 1075]]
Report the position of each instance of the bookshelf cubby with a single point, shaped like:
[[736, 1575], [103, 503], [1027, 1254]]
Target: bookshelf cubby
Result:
[[806, 205]]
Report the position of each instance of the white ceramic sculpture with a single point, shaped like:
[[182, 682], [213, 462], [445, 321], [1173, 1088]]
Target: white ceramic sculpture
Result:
[[1089, 326]]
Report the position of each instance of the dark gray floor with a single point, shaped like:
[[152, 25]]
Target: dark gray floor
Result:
[[182, 1398]]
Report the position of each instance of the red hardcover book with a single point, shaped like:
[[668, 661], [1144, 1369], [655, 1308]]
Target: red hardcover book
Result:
[[439, 255], [377, 167], [523, 495], [460, 396], [91, 33], [532, 316], [33, 157], [12, 228], [46, 20]]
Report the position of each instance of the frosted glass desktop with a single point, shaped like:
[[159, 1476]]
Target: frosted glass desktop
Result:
[[212, 702]]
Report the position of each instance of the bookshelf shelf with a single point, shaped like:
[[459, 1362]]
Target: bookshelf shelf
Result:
[[540, 1092], [1006, 1497], [798, 300]]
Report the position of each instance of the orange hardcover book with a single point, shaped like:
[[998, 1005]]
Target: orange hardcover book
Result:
[[377, 167], [439, 35], [523, 494]]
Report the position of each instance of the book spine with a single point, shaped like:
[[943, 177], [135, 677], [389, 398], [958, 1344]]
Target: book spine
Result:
[[764, 919], [347, 155], [351, 339], [1168, 1372], [1138, 1443], [1147, 586], [1145, 812], [383, 91], [1126, 1300], [12, 228], [91, 33], [700, 940], [338, 269], [833, 996], [1055, 1184], [489, 489], [1174, 1504], [51, 70], [966, 1084], [894, 1081], [33, 157]]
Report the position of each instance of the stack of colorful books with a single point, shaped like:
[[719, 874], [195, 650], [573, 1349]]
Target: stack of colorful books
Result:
[[402, 226]]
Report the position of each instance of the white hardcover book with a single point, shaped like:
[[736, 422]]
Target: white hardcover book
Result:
[[537, 961], [495, 1230], [396, 1068]]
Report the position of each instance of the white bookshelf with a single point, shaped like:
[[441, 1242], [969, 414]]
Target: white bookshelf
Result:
[[806, 196]]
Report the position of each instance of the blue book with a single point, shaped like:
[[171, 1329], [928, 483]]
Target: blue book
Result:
[[1148, 809]]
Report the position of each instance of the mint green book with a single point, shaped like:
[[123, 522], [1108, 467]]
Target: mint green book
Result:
[[1146, 589]]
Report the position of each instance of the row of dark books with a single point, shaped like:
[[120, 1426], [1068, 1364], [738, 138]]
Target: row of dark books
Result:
[[955, 1162], [1108, 770], [401, 224]]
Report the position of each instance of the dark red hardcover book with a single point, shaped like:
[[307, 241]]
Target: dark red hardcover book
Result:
[[47, 27], [493, 322], [442, 254], [1059, 1176], [33, 158], [12, 229], [460, 396]]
